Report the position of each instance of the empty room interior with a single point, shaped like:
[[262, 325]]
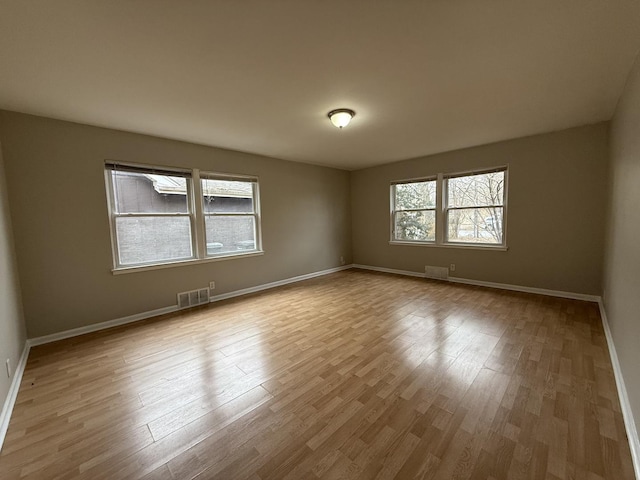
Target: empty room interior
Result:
[[320, 239]]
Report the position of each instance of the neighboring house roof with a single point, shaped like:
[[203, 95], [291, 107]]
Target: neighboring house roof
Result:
[[214, 188]]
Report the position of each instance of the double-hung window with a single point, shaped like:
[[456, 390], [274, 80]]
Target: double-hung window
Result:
[[151, 215], [163, 216], [414, 211], [230, 213], [474, 209], [461, 209]]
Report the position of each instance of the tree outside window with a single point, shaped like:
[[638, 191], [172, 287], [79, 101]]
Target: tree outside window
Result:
[[451, 209]]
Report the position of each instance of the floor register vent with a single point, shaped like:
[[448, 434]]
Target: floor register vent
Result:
[[439, 273], [193, 298]]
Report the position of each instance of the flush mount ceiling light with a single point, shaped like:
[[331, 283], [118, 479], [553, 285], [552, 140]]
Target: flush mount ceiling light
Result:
[[341, 117]]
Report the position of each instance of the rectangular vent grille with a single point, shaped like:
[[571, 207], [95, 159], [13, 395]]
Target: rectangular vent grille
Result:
[[193, 298], [439, 273]]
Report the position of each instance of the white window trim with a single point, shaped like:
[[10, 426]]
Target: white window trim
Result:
[[195, 204], [441, 211], [182, 263], [393, 211], [257, 230]]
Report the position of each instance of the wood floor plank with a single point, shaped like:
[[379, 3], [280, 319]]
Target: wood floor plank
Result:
[[354, 375]]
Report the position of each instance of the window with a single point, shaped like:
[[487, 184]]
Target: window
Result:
[[464, 209], [474, 208], [151, 215], [156, 219], [230, 214], [414, 216]]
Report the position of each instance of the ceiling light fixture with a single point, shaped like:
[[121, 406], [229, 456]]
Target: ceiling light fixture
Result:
[[341, 117]]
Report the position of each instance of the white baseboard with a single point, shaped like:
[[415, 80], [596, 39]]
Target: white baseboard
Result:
[[74, 332], [10, 401], [480, 283], [627, 413], [521, 288], [389, 270], [622, 393], [54, 337], [279, 283]]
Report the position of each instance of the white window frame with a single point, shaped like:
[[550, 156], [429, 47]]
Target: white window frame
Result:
[[395, 211], [255, 215], [195, 207], [447, 208], [442, 210]]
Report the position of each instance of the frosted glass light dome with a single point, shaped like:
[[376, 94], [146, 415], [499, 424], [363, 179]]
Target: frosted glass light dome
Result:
[[341, 117]]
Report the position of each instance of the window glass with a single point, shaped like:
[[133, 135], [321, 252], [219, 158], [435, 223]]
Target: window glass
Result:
[[150, 216], [475, 225], [229, 234], [414, 213], [227, 196], [416, 226], [154, 219], [230, 217], [476, 190], [474, 210], [415, 195], [153, 239], [452, 209], [149, 193]]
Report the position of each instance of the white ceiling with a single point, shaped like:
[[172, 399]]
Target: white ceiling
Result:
[[260, 76]]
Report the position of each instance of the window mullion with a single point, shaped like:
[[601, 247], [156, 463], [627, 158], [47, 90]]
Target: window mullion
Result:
[[255, 188], [112, 206], [472, 207], [481, 223], [137, 214], [197, 215], [229, 214], [440, 209], [416, 210], [176, 210], [392, 213]]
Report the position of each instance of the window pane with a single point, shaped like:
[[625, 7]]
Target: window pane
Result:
[[475, 225], [413, 196], [415, 226], [227, 196], [476, 190], [153, 239], [229, 234], [149, 193]]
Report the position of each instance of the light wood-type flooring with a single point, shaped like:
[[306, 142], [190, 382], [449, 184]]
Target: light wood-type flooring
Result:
[[354, 375]]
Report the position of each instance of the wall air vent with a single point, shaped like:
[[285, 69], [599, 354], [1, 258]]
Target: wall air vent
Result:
[[193, 298], [438, 273], [183, 300]]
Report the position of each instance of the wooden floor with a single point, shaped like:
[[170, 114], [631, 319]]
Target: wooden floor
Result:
[[353, 375]]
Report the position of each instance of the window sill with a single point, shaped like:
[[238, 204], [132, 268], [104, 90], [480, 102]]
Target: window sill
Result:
[[472, 246], [181, 263]]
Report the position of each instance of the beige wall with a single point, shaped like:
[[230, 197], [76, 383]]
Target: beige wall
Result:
[[58, 204], [622, 258], [12, 331], [556, 212]]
